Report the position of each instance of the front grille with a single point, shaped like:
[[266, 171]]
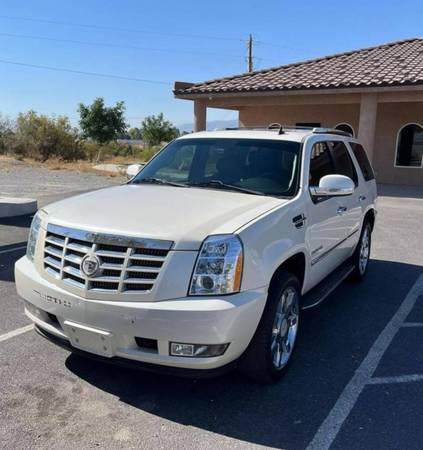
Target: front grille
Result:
[[131, 265]]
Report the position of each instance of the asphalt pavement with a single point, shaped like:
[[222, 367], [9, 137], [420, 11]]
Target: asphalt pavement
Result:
[[356, 380]]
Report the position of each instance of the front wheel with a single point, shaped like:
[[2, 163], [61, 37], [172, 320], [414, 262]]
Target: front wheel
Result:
[[269, 353], [361, 256]]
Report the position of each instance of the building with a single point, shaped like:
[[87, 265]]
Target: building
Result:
[[375, 93]]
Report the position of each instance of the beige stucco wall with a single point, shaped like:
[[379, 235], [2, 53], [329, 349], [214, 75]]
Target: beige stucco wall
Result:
[[390, 118], [327, 115]]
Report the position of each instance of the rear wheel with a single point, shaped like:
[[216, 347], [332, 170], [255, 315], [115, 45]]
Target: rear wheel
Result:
[[269, 353], [361, 256]]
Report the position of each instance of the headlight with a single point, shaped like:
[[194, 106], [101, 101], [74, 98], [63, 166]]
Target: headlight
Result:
[[219, 266], [33, 234]]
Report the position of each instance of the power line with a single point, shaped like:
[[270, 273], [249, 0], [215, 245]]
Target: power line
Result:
[[104, 44], [131, 30], [82, 72]]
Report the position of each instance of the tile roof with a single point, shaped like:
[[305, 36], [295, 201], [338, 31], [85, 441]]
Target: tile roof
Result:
[[392, 64]]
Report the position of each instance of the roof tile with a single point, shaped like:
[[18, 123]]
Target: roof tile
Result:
[[395, 63]]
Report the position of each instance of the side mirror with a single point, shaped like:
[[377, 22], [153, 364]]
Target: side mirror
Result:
[[132, 170], [333, 185]]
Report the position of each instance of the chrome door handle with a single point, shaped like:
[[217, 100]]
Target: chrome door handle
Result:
[[362, 198], [341, 209]]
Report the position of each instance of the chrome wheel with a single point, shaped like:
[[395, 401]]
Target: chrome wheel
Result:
[[285, 326], [364, 251]]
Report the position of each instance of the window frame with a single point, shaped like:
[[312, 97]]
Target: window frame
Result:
[[396, 148]]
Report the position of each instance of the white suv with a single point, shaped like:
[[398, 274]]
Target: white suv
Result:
[[205, 259]]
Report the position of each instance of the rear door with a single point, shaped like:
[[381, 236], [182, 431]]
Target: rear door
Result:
[[349, 210]]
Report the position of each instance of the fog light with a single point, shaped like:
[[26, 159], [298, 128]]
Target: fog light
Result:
[[197, 350]]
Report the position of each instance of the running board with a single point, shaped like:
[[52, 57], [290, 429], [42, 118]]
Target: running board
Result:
[[326, 287]]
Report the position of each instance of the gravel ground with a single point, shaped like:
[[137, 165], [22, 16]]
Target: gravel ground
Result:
[[20, 179]]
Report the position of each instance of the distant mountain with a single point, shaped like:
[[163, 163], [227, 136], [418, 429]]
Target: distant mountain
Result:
[[211, 125]]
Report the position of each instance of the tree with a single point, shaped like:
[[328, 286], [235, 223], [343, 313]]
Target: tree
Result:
[[155, 129], [134, 133], [101, 123]]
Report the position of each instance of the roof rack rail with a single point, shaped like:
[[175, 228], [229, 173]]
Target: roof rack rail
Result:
[[282, 128], [321, 130]]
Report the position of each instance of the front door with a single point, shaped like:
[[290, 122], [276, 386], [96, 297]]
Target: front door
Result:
[[328, 218]]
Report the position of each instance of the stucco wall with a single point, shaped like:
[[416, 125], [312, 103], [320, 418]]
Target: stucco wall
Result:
[[327, 115], [390, 118]]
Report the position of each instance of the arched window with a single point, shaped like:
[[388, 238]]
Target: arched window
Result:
[[345, 127], [409, 152]]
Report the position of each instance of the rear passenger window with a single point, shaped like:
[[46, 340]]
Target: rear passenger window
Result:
[[342, 160], [363, 161], [320, 163]]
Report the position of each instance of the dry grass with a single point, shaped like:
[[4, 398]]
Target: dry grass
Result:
[[79, 166]]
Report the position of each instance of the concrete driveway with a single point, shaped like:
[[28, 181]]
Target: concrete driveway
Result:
[[356, 381]]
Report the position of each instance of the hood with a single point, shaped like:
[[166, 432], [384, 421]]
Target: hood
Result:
[[183, 215]]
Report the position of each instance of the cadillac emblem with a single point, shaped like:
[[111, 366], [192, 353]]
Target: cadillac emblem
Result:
[[90, 265]]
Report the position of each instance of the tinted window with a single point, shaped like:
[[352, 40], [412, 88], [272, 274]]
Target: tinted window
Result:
[[363, 161], [320, 163], [342, 160], [267, 166], [410, 146]]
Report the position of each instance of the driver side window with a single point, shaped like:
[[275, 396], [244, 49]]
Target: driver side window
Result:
[[320, 163]]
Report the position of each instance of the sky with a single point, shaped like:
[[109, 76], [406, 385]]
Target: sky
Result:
[[163, 41]]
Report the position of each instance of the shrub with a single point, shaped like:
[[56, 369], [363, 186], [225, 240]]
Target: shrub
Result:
[[41, 138]]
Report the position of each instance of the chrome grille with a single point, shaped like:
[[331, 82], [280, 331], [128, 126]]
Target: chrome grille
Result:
[[126, 264]]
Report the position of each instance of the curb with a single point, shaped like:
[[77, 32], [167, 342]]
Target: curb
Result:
[[11, 207]]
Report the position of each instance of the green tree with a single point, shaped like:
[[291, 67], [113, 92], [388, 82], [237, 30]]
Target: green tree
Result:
[[134, 133], [155, 129], [102, 123]]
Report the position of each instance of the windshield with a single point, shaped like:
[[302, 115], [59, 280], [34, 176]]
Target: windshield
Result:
[[256, 166]]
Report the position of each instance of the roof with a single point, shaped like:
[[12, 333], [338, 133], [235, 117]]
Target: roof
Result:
[[393, 64]]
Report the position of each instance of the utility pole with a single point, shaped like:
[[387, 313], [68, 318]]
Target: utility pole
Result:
[[250, 53]]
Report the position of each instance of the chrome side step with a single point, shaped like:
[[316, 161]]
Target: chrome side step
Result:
[[326, 287]]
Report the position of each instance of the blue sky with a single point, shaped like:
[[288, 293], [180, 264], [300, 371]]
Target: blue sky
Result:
[[168, 40]]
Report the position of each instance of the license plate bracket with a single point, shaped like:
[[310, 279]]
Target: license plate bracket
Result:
[[89, 339]]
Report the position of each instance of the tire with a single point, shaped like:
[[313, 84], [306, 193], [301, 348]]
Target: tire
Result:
[[261, 361], [361, 255]]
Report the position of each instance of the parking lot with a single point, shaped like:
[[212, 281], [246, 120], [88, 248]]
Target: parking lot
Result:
[[356, 380]]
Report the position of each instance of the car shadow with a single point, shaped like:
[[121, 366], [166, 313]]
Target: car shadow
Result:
[[9, 254], [17, 221], [334, 340]]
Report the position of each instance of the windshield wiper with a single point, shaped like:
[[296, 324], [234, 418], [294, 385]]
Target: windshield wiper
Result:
[[221, 185], [153, 180]]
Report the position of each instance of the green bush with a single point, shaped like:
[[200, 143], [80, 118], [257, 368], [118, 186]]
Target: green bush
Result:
[[41, 137], [147, 153]]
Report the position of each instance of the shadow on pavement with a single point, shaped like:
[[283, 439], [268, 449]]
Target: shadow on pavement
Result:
[[9, 254], [334, 340], [19, 221], [399, 191]]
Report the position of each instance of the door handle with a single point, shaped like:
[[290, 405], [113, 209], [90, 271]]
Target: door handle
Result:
[[341, 209], [362, 198]]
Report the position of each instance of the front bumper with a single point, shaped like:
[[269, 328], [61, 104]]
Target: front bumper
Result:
[[229, 319]]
